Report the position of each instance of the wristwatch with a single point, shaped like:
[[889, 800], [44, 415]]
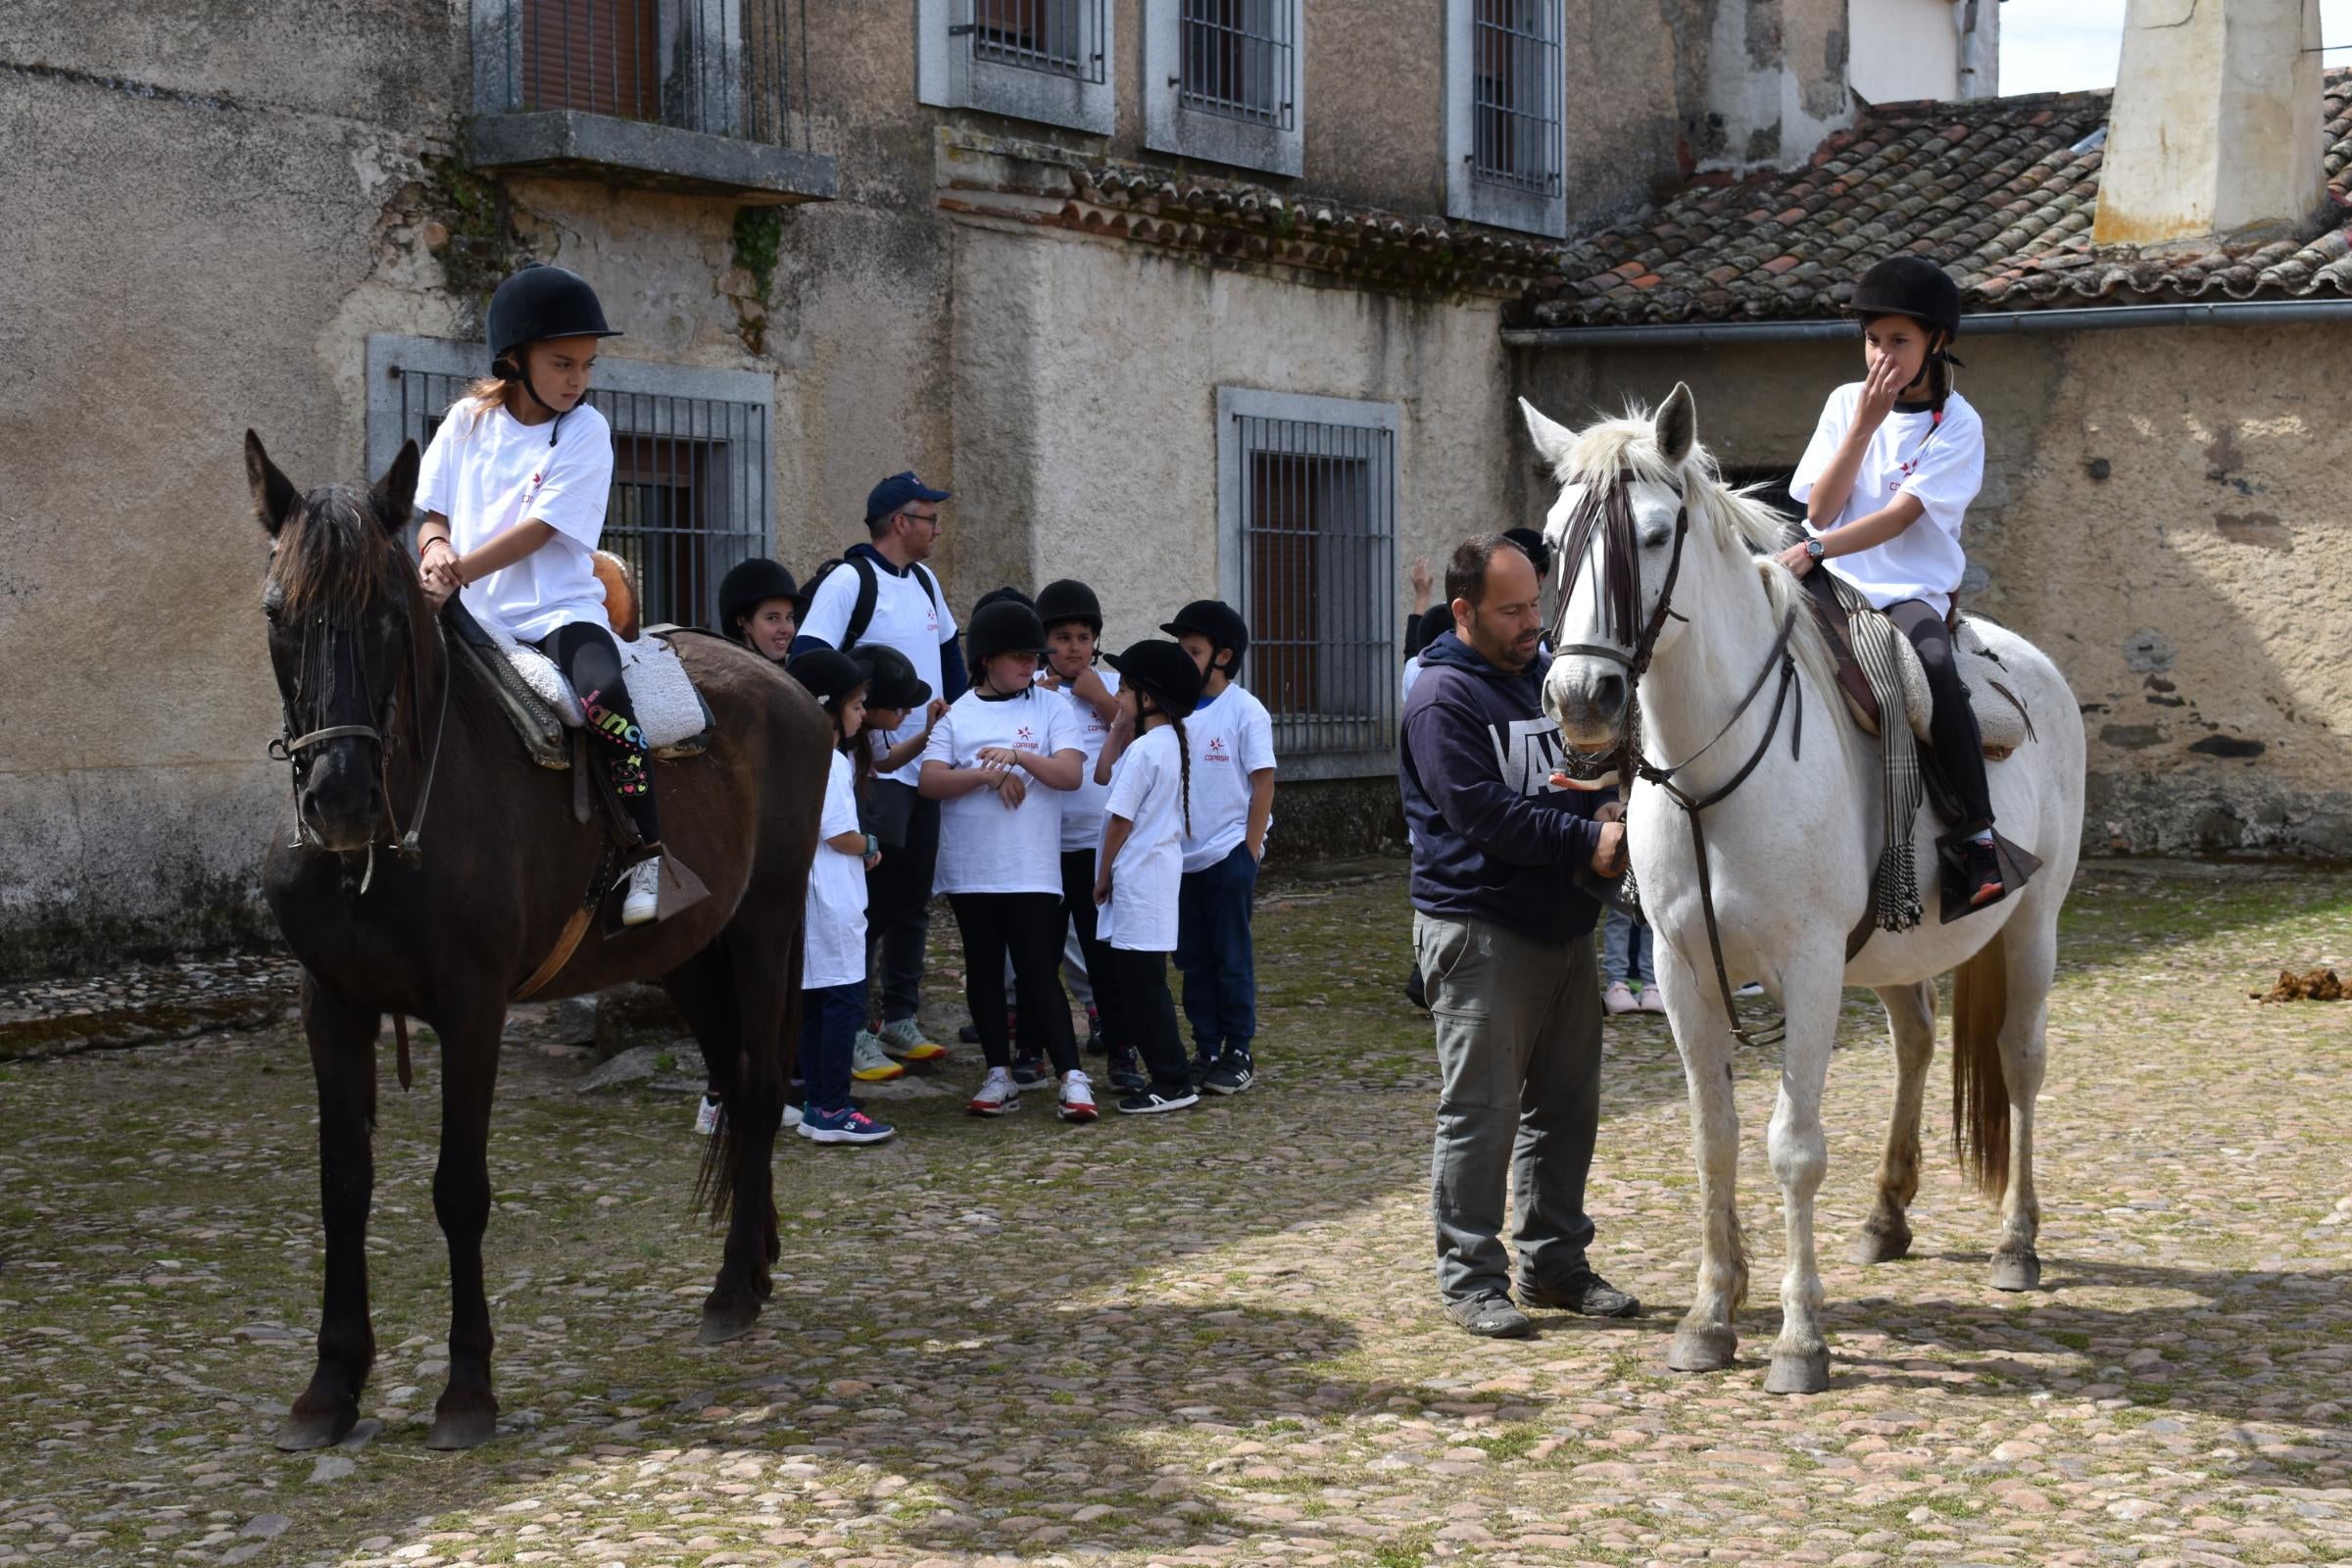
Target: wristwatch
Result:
[[1815, 549]]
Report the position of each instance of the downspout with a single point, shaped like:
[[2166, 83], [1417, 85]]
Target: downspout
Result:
[[1987, 323]]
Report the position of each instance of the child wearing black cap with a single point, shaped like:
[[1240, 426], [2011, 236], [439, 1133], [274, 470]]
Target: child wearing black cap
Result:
[[1230, 746], [1140, 867]]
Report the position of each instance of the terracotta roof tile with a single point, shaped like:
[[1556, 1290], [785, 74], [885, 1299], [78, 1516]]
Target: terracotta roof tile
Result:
[[1993, 190]]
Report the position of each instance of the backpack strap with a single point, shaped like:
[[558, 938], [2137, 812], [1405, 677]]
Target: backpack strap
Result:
[[862, 613]]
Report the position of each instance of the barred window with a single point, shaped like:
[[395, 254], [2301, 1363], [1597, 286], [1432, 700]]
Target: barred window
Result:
[[691, 457], [1224, 82], [725, 68], [1308, 503], [1505, 79], [1040, 60], [1238, 59], [1060, 38]]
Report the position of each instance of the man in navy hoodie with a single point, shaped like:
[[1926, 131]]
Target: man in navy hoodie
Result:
[[1504, 938]]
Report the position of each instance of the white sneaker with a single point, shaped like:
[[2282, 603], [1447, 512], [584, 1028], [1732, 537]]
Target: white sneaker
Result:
[[870, 1063], [1753, 988], [1619, 998], [998, 1093], [792, 1116], [1077, 1097], [645, 893], [1652, 1000], [706, 1118]]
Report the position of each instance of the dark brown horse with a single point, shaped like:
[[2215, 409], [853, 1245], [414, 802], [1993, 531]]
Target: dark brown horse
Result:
[[447, 933]]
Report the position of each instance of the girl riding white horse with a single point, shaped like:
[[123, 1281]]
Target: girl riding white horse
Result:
[[1671, 612]]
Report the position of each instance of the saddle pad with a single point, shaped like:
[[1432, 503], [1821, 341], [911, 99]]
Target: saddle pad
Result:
[[2001, 722], [670, 709]]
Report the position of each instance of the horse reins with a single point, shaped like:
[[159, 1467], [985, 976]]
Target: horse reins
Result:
[[1609, 512]]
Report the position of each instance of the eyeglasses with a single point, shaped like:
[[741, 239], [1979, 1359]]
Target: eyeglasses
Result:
[[918, 517]]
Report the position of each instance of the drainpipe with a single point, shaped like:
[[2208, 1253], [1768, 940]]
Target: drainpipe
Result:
[[1988, 324]]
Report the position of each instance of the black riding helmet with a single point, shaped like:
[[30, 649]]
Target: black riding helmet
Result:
[[1912, 286], [1163, 670], [1220, 623], [889, 677], [829, 677], [540, 302], [752, 583], [1068, 598], [1533, 546], [1006, 626]]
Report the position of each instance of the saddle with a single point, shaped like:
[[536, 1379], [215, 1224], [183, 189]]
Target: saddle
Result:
[[1845, 617], [542, 707]]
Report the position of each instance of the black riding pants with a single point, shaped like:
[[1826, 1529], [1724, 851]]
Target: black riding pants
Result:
[[1958, 746], [590, 658], [1028, 926], [1078, 898], [1132, 989]]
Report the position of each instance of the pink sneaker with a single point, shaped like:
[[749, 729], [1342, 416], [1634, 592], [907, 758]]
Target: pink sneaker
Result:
[[1652, 1000], [1618, 998]]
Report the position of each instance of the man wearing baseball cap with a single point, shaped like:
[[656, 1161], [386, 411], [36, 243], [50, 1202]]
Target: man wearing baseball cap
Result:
[[883, 593]]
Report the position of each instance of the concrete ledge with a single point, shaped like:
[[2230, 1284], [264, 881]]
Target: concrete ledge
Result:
[[635, 152]]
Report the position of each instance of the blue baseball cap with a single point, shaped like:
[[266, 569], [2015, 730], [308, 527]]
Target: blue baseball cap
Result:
[[893, 493]]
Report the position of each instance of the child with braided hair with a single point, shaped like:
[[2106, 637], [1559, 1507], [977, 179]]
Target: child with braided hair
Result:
[[1140, 868]]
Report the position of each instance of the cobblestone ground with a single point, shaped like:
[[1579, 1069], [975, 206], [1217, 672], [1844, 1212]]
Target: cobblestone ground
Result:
[[1212, 1338]]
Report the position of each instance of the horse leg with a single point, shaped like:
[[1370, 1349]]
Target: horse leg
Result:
[[1705, 1341], [342, 1038], [1911, 1021], [467, 1413], [1800, 1356], [2032, 963], [736, 1010]]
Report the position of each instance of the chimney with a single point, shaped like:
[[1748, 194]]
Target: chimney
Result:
[[2215, 132]]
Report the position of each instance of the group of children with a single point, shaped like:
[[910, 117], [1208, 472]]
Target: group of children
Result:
[[1126, 806]]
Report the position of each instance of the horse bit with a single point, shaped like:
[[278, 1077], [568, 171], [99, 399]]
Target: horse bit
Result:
[[1619, 600]]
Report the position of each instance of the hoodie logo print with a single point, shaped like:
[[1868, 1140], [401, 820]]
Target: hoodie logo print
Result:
[[1527, 754]]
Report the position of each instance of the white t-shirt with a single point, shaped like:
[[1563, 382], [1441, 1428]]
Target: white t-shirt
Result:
[[1146, 787], [1082, 807], [1231, 737], [486, 474], [983, 848], [1909, 454], [904, 618], [833, 940], [1413, 673]]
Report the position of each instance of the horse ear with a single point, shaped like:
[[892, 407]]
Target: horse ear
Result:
[[395, 494], [1551, 438], [273, 495], [1677, 424]]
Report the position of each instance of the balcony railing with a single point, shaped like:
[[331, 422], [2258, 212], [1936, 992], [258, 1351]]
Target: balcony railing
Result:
[[708, 95]]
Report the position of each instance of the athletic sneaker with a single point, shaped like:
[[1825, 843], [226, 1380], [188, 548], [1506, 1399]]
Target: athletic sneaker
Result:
[[1233, 1073], [1652, 1000], [1753, 988], [1030, 1071], [1127, 1069], [1197, 1069], [792, 1116], [1077, 1097], [843, 1126], [870, 1063], [706, 1118], [1619, 998], [997, 1095], [1150, 1102], [644, 897], [902, 1038], [1096, 1044]]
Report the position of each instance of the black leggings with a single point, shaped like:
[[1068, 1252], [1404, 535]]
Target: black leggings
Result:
[[1078, 901], [590, 659], [1028, 926], [1132, 991], [1958, 745]]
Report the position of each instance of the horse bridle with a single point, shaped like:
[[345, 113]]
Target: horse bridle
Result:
[[1609, 510], [290, 748]]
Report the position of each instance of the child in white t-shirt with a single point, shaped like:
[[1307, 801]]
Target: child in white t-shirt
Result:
[[514, 488], [1892, 468], [1000, 764], [833, 932], [1230, 742], [1073, 620], [1140, 873]]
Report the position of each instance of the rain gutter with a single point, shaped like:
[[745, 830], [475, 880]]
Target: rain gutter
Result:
[[1988, 324]]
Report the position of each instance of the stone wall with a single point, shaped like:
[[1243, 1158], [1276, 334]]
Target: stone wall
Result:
[[2162, 512]]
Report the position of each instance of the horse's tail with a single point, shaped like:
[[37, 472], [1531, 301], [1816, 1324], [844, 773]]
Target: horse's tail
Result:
[[1980, 1091]]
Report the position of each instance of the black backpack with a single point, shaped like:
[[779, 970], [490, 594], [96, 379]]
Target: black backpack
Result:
[[862, 613]]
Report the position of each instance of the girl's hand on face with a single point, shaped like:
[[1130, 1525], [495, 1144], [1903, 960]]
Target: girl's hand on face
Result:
[[1879, 388], [1795, 560], [1011, 789]]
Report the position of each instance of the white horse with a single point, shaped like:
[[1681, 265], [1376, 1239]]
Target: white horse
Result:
[[1789, 856]]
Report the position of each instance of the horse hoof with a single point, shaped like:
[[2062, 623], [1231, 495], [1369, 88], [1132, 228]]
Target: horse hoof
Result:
[[462, 1429], [301, 1431], [1881, 1246], [1807, 1373], [723, 1323], [1701, 1350], [2015, 1271]]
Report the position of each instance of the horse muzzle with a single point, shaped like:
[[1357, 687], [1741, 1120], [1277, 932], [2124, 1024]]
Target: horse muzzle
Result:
[[1588, 702], [341, 799]]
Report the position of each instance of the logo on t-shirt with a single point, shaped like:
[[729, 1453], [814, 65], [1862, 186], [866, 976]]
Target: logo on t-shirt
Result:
[[1216, 751], [1024, 739]]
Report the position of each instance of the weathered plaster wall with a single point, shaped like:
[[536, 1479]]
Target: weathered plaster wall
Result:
[[2162, 512], [1906, 49]]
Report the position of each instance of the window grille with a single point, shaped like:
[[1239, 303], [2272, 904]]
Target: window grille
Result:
[[690, 486], [1318, 543], [1239, 60], [726, 67], [1518, 83], [1059, 37]]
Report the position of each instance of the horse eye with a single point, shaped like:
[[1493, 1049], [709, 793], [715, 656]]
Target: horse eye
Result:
[[1655, 539]]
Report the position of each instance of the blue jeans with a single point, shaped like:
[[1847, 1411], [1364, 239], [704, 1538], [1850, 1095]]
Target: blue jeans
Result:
[[1213, 952], [830, 1019], [1625, 950]]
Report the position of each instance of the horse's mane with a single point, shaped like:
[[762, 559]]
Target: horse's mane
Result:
[[335, 558], [1629, 445]]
